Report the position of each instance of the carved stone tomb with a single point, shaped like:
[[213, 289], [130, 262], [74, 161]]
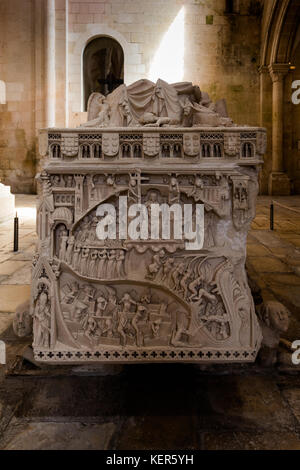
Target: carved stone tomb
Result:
[[151, 299]]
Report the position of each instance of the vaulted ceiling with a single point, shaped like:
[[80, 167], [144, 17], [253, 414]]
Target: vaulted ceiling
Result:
[[280, 31]]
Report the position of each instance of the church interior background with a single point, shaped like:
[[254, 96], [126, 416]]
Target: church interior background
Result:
[[53, 55]]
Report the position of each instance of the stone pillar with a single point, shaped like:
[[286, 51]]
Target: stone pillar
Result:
[[279, 183], [50, 86], [61, 19], [266, 122]]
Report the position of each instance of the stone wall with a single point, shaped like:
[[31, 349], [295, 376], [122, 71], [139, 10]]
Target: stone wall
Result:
[[41, 61], [221, 51], [17, 113]]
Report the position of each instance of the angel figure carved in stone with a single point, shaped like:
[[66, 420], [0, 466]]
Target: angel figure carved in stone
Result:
[[98, 111]]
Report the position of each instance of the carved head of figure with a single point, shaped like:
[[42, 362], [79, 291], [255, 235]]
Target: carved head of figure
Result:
[[141, 309], [102, 254], [69, 181], [173, 182], [110, 180], [199, 182], [126, 296], [56, 180], [132, 181], [43, 300], [112, 298], [153, 197], [22, 323], [125, 107], [275, 316], [187, 107], [158, 90]]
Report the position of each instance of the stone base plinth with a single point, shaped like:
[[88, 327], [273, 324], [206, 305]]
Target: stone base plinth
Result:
[[7, 203], [279, 184]]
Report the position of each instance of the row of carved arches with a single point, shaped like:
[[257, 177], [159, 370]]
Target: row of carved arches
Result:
[[135, 150]]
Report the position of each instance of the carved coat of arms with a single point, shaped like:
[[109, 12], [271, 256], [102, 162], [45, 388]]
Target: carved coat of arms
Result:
[[151, 144], [191, 144], [110, 144], [231, 144], [70, 145]]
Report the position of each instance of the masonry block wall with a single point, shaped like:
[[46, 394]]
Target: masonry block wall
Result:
[[41, 50]]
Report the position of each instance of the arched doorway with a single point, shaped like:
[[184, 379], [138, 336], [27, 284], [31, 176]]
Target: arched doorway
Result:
[[279, 67], [103, 66]]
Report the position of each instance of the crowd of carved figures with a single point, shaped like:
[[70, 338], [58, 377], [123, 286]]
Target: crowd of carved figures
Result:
[[91, 261], [86, 254], [104, 316], [180, 276], [212, 190], [60, 181], [156, 144], [99, 264]]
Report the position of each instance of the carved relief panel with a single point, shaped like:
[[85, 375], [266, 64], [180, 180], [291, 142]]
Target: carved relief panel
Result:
[[149, 298]]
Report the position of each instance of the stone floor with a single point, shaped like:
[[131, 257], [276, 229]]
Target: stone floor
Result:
[[274, 257], [154, 406]]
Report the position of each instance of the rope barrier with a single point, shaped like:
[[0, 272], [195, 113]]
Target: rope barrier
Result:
[[286, 207], [283, 206]]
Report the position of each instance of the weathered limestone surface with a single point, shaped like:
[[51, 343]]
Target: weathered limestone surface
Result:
[[147, 299]]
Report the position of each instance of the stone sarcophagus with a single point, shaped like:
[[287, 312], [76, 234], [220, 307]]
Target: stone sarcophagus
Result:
[[148, 297]]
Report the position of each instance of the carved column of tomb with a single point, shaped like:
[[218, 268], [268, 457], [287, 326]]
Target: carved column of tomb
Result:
[[148, 299]]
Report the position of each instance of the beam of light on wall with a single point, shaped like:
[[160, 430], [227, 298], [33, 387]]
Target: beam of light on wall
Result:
[[168, 61], [2, 92]]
